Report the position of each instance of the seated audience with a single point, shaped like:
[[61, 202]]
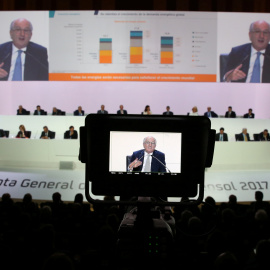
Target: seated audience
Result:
[[102, 110], [71, 133], [56, 111], [2, 133], [210, 113], [230, 113], [250, 114], [39, 111], [79, 112], [194, 111], [23, 134], [22, 111], [243, 136], [147, 110], [264, 136], [121, 110], [47, 134], [222, 136], [168, 111]]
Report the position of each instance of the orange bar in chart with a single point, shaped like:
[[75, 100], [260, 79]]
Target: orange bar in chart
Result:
[[105, 51], [136, 48], [166, 52]]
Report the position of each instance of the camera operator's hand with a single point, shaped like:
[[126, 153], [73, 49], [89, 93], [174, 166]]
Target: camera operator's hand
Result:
[[135, 163]]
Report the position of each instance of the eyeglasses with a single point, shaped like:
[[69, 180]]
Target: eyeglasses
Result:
[[152, 143], [258, 32], [19, 30]]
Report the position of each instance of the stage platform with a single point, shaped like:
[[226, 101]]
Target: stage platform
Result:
[[42, 167]]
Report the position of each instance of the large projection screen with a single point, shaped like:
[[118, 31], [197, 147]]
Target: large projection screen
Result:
[[134, 58]]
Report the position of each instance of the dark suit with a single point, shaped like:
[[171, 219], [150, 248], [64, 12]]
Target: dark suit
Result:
[[77, 113], [168, 113], [73, 136], [104, 112], [2, 133], [241, 55], [42, 112], [26, 133], [241, 137], [213, 114], [58, 112], [246, 115], [51, 134], [119, 112], [225, 137], [233, 114], [155, 165], [36, 66], [23, 112], [261, 138]]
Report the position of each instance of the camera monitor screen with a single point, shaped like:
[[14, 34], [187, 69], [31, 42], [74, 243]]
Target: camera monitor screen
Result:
[[138, 155], [129, 151]]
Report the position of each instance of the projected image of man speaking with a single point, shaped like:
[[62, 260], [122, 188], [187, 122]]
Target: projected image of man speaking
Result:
[[22, 59], [148, 159]]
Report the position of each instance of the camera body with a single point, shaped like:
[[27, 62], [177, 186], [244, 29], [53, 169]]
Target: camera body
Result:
[[107, 140]]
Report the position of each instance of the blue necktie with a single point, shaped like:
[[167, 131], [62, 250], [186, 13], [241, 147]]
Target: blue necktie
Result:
[[17, 76], [256, 77]]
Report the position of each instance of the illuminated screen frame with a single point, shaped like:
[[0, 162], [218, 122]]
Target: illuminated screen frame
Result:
[[123, 144], [194, 133]]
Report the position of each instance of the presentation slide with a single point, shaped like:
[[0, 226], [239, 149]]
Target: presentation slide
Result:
[[132, 46]]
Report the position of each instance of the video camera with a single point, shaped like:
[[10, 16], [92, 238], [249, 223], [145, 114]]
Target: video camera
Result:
[[183, 148]]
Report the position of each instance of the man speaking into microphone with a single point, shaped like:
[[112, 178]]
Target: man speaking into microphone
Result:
[[250, 62], [21, 59], [148, 159]]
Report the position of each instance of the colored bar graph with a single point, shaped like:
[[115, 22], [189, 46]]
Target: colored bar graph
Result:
[[136, 48], [166, 52], [105, 51]]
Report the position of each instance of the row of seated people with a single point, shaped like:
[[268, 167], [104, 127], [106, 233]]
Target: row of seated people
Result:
[[228, 114], [73, 134], [147, 111], [45, 134], [243, 136], [39, 111]]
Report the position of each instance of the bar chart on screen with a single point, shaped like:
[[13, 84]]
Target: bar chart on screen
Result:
[[132, 46]]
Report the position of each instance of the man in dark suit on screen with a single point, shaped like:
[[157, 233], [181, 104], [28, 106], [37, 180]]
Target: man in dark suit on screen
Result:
[[251, 62], [21, 59], [148, 159]]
